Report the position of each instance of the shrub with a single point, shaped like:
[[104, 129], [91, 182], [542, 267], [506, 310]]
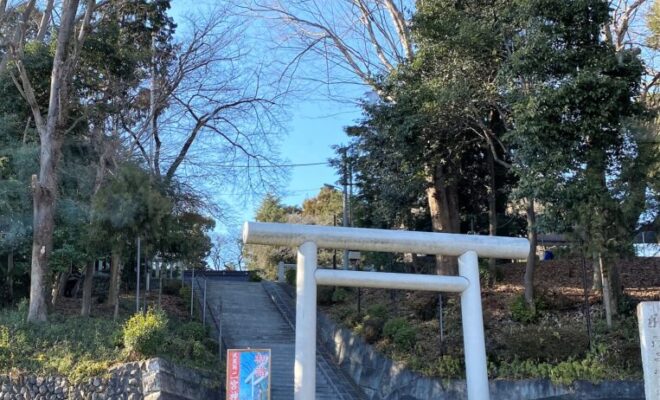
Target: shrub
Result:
[[324, 295], [179, 347], [349, 316], [290, 276], [198, 350], [184, 293], [484, 272], [186, 350], [627, 305], [191, 331], [567, 372], [405, 338], [445, 366], [425, 305], [401, 332], [371, 329], [22, 306], [392, 326], [254, 276], [4, 337], [144, 333], [5, 348], [543, 344], [339, 295], [86, 368], [377, 311], [211, 345], [521, 312], [117, 338], [172, 286], [590, 368]]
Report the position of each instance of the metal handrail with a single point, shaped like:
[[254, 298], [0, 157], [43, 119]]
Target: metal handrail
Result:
[[216, 321]]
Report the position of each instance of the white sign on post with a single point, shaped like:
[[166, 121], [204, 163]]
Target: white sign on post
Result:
[[648, 316]]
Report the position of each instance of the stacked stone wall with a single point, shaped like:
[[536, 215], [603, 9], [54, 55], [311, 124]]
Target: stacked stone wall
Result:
[[151, 379]]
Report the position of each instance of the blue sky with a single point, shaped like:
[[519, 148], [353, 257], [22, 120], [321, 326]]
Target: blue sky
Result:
[[315, 126]]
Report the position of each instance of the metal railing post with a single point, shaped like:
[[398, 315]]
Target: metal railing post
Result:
[[204, 305], [304, 381], [473, 329], [192, 293], [220, 337], [280, 272]]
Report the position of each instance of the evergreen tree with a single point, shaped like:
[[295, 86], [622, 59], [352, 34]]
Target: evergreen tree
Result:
[[572, 97]]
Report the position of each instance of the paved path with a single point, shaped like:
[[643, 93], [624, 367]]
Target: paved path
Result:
[[259, 316]]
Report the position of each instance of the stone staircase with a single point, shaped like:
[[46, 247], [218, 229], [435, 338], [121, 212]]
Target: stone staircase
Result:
[[260, 315]]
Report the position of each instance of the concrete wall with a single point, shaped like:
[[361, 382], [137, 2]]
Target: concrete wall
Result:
[[151, 379], [382, 379]]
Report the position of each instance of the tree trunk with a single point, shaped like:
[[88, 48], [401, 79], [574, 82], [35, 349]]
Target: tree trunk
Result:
[[45, 21], [443, 207], [87, 290], [492, 213], [45, 187], [59, 286], [115, 277], [10, 280], [42, 241], [530, 268], [607, 296], [599, 222], [611, 288], [597, 277]]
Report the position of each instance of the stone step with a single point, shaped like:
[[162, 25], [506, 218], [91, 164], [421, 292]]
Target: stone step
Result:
[[250, 318]]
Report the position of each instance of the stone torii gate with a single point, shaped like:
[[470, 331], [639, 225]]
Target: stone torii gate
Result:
[[308, 238]]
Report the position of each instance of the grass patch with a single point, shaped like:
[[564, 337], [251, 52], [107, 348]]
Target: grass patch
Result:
[[78, 348], [74, 347]]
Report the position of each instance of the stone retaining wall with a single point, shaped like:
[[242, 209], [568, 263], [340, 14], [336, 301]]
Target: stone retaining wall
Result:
[[383, 379], [152, 379]]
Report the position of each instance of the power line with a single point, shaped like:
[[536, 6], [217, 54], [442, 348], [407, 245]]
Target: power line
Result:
[[273, 165], [287, 193]]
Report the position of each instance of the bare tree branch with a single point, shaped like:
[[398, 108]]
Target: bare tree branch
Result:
[[401, 27], [45, 20], [369, 38], [27, 91], [211, 100], [3, 8], [18, 37]]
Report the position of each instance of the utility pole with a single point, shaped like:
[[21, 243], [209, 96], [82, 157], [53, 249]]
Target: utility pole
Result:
[[334, 252], [350, 194], [345, 202]]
